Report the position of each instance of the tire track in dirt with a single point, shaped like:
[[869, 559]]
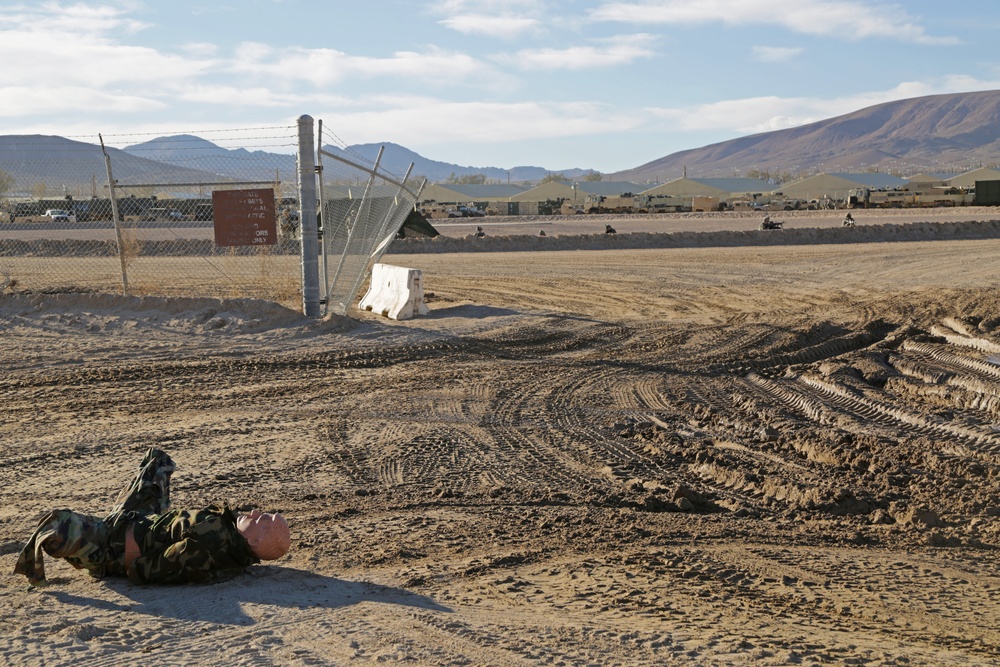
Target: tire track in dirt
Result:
[[522, 431], [978, 440], [954, 361], [583, 409]]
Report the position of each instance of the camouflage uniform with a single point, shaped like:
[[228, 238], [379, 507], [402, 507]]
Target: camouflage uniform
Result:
[[175, 546], [190, 546]]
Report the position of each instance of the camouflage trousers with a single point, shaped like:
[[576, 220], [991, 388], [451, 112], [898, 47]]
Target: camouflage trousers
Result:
[[94, 543]]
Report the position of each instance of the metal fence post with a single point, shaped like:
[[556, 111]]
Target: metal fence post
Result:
[[307, 218], [122, 260]]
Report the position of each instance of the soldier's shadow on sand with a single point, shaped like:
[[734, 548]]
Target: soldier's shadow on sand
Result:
[[262, 586]]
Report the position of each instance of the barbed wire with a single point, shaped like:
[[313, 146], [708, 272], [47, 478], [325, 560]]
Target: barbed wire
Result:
[[291, 129]]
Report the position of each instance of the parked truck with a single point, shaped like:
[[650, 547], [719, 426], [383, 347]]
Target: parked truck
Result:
[[948, 196], [23, 213], [570, 208], [882, 198], [667, 204], [783, 203], [623, 203], [436, 211]]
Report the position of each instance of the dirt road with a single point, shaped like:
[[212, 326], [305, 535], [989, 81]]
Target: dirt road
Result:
[[688, 456]]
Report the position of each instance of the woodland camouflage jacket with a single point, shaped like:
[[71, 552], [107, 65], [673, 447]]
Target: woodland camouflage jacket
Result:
[[190, 546]]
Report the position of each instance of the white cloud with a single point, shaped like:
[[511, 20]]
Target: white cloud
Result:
[[79, 18], [72, 59], [89, 69], [849, 19], [606, 53], [488, 6], [495, 26], [81, 45], [323, 67], [23, 101], [775, 54], [75, 45], [493, 18]]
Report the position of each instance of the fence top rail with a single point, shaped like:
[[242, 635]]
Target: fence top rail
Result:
[[385, 177], [191, 185]]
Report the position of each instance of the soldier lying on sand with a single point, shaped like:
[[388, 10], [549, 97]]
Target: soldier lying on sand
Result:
[[148, 542]]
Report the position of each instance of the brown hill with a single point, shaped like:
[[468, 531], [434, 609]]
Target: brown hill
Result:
[[43, 164], [935, 133]]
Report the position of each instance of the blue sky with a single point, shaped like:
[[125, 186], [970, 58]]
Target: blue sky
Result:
[[601, 84]]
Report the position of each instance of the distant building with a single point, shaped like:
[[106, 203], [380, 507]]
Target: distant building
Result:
[[837, 186], [494, 197], [925, 181], [969, 178], [466, 193], [552, 190], [721, 188], [577, 193]]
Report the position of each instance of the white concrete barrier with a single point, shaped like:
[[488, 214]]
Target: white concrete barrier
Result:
[[395, 292]]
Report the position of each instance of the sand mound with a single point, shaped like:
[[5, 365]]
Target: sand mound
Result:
[[95, 313]]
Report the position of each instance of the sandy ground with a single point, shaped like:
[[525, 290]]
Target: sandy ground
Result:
[[745, 455]]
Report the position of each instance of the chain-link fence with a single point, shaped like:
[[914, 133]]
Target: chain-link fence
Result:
[[363, 207], [168, 214], [139, 218]]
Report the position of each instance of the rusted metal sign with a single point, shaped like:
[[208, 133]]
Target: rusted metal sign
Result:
[[244, 217]]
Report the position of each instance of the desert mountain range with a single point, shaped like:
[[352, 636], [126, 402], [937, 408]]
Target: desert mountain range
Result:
[[952, 133], [395, 159]]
